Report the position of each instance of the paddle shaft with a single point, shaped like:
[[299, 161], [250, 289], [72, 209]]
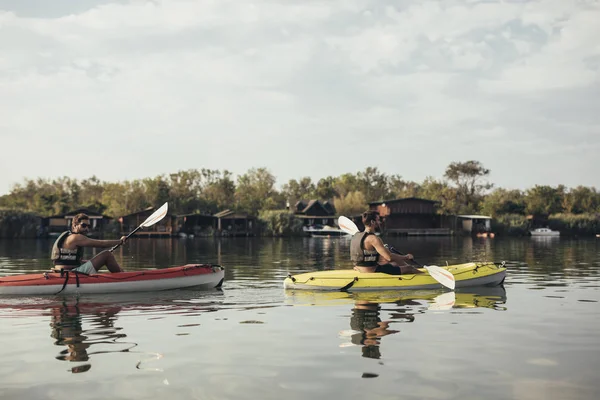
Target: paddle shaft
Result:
[[393, 250], [127, 237], [151, 220]]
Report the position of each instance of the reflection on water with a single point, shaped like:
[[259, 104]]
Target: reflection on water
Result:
[[255, 340], [366, 325], [368, 328], [86, 326], [67, 323]]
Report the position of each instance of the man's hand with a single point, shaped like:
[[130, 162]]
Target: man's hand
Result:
[[409, 256], [123, 239]]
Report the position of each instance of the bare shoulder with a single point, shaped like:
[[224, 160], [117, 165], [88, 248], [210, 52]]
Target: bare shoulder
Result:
[[372, 239], [76, 239]]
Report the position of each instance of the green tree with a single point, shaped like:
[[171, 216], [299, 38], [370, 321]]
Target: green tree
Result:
[[543, 200], [298, 190], [399, 188], [91, 194], [581, 200], [352, 203], [157, 191], [256, 191], [373, 184], [325, 189], [440, 191], [469, 180], [219, 190], [345, 184], [502, 201]]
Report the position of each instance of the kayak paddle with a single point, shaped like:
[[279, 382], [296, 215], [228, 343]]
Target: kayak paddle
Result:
[[151, 220], [439, 274]]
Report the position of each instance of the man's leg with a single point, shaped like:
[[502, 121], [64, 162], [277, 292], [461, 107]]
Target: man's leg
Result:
[[408, 269], [106, 258]]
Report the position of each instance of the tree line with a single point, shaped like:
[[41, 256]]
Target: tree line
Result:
[[463, 189]]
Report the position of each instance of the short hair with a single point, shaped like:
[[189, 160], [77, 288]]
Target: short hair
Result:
[[80, 217], [369, 216]]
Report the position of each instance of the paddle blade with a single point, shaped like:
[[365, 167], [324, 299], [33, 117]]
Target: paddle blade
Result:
[[441, 275], [347, 225], [444, 301], [156, 216]]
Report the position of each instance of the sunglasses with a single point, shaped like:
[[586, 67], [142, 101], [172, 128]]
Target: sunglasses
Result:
[[84, 225]]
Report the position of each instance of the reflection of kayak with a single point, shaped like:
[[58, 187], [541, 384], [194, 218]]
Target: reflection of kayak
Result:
[[481, 296], [191, 275], [466, 275]]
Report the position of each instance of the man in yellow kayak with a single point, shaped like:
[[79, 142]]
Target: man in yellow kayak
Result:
[[67, 251], [369, 254]]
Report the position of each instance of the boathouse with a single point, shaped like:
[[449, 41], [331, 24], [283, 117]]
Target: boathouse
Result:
[[315, 213], [196, 224], [56, 224], [474, 224], [165, 227], [410, 216], [230, 223]]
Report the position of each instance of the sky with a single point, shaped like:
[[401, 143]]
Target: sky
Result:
[[132, 89]]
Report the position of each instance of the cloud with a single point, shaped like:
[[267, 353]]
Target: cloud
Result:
[[150, 87]]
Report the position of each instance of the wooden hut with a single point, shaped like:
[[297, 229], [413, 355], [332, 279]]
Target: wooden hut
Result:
[[230, 223], [165, 227], [57, 224], [409, 216], [196, 224], [315, 213]]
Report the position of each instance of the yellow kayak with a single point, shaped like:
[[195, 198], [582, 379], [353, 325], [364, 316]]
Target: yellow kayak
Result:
[[466, 275]]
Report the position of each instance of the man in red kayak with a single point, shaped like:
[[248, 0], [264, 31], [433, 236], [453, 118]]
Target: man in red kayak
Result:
[[67, 251], [369, 254]]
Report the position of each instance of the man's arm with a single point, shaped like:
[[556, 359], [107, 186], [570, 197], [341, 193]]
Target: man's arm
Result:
[[383, 251], [84, 241]]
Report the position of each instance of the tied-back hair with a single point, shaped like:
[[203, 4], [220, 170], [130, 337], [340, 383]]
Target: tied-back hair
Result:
[[80, 217], [369, 216]]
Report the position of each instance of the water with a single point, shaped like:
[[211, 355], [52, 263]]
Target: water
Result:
[[536, 338]]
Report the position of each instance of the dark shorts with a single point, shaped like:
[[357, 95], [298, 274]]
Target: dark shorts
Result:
[[389, 269]]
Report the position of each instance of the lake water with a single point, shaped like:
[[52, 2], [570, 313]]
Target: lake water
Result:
[[536, 338]]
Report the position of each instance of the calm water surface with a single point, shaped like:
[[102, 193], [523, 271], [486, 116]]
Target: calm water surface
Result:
[[536, 338]]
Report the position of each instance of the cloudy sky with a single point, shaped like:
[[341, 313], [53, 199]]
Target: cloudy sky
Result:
[[136, 88]]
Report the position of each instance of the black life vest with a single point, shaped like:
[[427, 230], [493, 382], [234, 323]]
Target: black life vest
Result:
[[358, 254], [62, 256]]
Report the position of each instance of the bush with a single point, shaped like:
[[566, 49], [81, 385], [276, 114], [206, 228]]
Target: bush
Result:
[[575, 224], [279, 223], [18, 224], [510, 224]]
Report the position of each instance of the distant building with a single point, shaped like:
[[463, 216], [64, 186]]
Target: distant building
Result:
[[474, 223], [165, 227], [196, 224], [315, 212], [230, 223], [409, 216], [57, 224]]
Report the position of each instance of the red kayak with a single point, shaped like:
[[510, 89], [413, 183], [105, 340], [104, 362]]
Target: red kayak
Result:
[[199, 276]]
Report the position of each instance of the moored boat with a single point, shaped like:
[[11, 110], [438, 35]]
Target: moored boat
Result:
[[201, 276], [325, 231], [465, 275], [544, 232]]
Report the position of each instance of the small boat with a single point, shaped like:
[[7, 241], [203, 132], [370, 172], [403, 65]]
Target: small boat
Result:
[[465, 275], [325, 231], [544, 232], [200, 276]]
